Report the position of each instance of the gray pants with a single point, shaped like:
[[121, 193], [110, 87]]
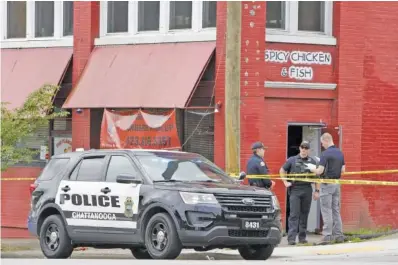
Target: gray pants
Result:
[[330, 209], [300, 199]]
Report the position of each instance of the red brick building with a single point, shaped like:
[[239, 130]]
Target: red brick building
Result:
[[306, 67]]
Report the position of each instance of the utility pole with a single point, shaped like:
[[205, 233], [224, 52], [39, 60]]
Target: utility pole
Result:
[[232, 86]]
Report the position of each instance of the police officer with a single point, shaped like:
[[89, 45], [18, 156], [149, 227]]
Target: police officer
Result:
[[331, 166], [299, 192], [256, 166]]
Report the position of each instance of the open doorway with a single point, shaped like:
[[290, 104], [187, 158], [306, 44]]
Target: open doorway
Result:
[[296, 133]]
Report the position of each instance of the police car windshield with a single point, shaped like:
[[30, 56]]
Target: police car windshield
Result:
[[175, 167]]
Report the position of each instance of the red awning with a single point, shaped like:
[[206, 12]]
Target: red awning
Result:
[[25, 70], [147, 76]]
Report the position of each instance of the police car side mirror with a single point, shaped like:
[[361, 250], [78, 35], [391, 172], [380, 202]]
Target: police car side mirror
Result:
[[125, 178]]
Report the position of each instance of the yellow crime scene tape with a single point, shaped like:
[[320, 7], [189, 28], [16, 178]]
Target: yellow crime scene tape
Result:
[[296, 177], [16, 179], [341, 181], [312, 177], [313, 174]]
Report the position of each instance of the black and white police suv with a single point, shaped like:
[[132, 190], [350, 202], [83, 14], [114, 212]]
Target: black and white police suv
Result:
[[153, 202]]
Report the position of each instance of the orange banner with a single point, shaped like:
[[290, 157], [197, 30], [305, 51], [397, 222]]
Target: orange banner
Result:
[[138, 129]]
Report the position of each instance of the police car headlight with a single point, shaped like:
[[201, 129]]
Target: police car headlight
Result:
[[195, 198], [275, 202]]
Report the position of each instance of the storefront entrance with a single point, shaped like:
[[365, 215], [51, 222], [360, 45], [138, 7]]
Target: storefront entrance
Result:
[[297, 132]]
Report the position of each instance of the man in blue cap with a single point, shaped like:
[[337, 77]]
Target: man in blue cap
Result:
[[257, 166]]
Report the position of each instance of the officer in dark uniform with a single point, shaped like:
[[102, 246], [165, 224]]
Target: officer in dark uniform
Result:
[[257, 166], [300, 193]]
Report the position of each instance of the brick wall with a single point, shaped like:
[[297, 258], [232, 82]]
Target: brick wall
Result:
[[219, 96], [349, 22], [365, 102], [368, 108], [86, 29], [379, 146], [265, 112], [252, 108]]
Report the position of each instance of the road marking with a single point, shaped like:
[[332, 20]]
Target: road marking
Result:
[[346, 250]]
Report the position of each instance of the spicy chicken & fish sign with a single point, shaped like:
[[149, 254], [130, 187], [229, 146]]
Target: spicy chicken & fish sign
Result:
[[138, 129]]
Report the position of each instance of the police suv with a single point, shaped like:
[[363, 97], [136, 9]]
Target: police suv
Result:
[[153, 202]]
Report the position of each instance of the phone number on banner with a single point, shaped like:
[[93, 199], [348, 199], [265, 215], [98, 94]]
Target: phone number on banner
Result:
[[164, 141]]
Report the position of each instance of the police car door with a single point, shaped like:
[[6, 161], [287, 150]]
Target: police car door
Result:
[[80, 199], [124, 223]]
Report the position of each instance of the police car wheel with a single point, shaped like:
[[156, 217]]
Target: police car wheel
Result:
[[54, 239], [161, 237], [140, 253], [256, 252]]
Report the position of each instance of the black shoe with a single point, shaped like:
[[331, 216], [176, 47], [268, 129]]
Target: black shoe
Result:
[[303, 241], [291, 243]]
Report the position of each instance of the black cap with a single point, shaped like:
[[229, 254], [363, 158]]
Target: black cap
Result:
[[257, 145], [305, 144]]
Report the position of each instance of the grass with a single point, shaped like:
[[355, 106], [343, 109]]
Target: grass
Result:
[[356, 240], [367, 231]]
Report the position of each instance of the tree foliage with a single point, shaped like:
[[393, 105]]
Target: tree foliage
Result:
[[19, 123]]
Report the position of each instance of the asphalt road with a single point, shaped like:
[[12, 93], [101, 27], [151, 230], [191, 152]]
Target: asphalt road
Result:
[[378, 252]]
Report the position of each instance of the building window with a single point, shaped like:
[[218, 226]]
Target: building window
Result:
[[118, 15], [311, 19], [44, 19], [209, 14], [148, 15], [68, 18], [275, 15], [157, 21], [311, 16], [34, 24], [16, 19], [180, 15]]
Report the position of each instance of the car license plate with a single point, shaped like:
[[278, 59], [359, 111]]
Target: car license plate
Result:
[[251, 225]]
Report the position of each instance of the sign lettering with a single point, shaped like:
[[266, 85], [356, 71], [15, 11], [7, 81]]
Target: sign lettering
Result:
[[299, 61], [90, 200], [62, 145], [94, 216]]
